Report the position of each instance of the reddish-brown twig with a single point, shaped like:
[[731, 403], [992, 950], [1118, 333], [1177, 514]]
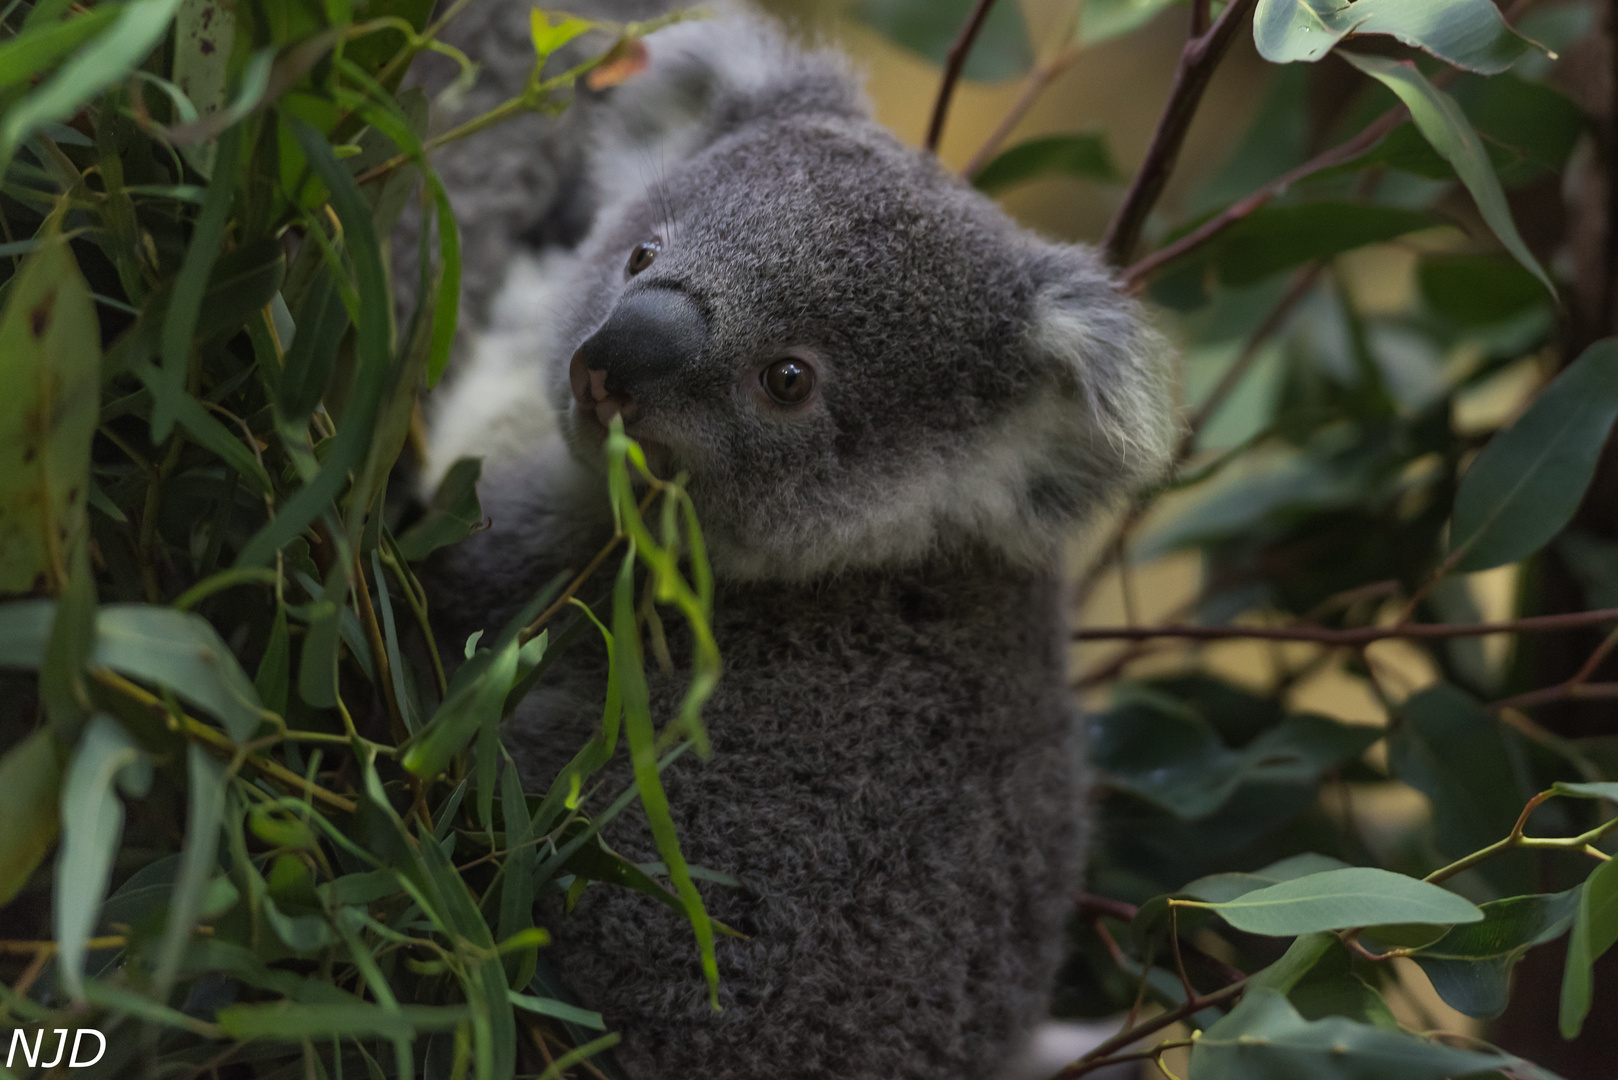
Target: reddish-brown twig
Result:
[[1033, 86], [1354, 637], [953, 66], [1137, 273], [1198, 60], [1560, 692]]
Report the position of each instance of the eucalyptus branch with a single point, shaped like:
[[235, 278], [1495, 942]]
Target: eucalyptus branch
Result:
[[1353, 637], [1198, 60], [219, 742], [1037, 82], [1584, 843], [1135, 275], [1100, 1056], [536, 97], [953, 65]]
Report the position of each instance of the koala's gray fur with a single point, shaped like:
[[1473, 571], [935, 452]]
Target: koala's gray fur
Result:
[[895, 779]]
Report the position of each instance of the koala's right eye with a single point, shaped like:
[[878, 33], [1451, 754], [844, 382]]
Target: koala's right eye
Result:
[[643, 256]]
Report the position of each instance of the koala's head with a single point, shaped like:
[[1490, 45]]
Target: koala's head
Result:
[[855, 358]]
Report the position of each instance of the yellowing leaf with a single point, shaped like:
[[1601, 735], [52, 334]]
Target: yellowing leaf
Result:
[[549, 38], [49, 385]]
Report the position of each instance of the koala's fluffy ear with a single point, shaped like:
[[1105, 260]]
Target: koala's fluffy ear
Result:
[[1112, 367]]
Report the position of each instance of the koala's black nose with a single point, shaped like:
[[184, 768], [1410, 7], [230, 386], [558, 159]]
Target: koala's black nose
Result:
[[649, 336]]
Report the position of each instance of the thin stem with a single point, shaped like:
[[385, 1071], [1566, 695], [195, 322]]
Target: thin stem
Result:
[[1560, 692], [379, 650], [1354, 637], [218, 741], [953, 66], [1198, 60], [590, 568], [1095, 1058], [1037, 82], [1137, 273], [1584, 843]]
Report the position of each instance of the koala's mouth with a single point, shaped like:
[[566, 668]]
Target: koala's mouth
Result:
[[595, 400], [596, 406]]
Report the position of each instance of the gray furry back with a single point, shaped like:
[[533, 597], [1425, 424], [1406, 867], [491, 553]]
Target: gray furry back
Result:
[[892, 405]]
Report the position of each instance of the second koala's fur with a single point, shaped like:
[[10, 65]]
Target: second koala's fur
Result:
[[896, 778]]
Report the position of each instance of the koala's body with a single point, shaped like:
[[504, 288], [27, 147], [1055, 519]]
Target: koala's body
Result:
[[892, 406]]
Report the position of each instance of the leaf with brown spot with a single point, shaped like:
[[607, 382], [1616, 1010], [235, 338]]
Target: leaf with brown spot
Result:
[[49, 386]]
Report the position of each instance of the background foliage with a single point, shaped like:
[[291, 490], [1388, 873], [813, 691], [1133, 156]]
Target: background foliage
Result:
[[328, 866]]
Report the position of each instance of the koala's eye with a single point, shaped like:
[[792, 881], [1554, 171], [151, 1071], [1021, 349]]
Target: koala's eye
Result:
[[788, 381], [643, 256]]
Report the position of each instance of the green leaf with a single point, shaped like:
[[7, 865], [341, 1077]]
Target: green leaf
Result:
[[181, 651], [1448, 748], [1163, 751], [321, 320], [472, 703], [1217, 888], [1341, 899], [1278, 238], [642, 739], [204, 33], [548, 38], [353, 439], [105, 61], [1102, 20], [272, 681], [175, 649], [205, 810], [1299, 959], [1445, 126], [1595, 929], [202, 425], [290, 1022], [1265, 1038], [1477, 290], [559, 1010], [1526, 484], [1467, 33], [37, 48], [517, 874], [452, 514], [1055, 155], [48, 415], [930, 27], [185, 301], [92, 825], [1594, 790], [1470, 966], [30, 782]]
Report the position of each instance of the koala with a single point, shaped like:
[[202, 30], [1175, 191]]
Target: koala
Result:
[[893, 406]]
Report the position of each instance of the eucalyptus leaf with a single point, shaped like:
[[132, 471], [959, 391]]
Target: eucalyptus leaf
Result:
[[30, 783], [1265, 1038], [1083, 155], [1467, 33], [1342, 899], [107, 761], [48, 413], [1471, 965], [1595, 930], [1445, 126], [1526, 484]]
